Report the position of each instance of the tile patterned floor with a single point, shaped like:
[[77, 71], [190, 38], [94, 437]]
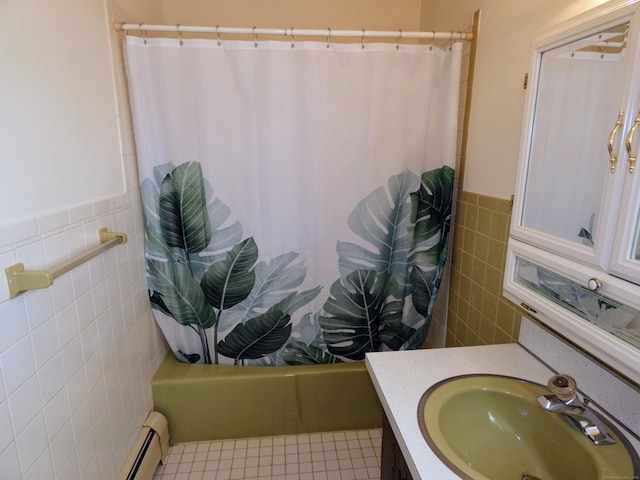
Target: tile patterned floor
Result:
[[350, 455]]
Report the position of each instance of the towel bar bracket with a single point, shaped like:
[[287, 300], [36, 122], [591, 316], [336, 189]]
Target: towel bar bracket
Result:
[[106, 235], [21, 280]]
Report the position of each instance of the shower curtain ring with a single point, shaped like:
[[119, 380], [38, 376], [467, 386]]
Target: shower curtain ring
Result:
[[398, 39], [292, 39], [328, 37], [179, 34], [433, 38], [451, 41], [362, 39], [255, 37], [218, 34], [144, 34]]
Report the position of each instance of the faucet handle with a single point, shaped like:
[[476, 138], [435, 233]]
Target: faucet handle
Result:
[[563, 386]]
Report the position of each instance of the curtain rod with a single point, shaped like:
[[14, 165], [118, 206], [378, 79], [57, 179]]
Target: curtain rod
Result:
[[291, 32]]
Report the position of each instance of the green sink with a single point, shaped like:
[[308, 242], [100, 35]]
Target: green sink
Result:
[[491, 427]]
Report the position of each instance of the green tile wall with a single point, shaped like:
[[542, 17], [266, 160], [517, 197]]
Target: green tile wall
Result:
[[478, 313]]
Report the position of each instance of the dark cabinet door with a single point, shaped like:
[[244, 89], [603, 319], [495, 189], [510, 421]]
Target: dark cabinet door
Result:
[[393, 464]]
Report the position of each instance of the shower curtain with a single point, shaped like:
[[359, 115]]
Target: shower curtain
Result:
[[297, 197]]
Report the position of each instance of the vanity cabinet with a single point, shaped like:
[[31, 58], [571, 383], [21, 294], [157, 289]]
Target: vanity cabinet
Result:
[[393, 464], [573, 258]]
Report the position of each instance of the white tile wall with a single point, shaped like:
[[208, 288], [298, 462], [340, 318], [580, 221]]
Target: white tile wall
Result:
[[76, 359]]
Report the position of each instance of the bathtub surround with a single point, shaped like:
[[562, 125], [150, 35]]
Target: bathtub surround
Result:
[[328, 237], [210, 402], [478, 312]]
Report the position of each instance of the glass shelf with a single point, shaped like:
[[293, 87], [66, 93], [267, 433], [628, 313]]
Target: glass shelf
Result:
[[609, 315]]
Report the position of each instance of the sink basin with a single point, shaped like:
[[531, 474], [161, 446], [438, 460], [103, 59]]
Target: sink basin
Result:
[[491, 427]]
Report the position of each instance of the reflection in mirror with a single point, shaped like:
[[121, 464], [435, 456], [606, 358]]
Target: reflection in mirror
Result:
[[611, 316], [576, 108]]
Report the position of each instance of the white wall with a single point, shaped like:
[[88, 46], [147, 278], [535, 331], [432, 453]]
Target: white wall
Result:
[[507, 29], [335, 14], [58, 126], [76, 359]]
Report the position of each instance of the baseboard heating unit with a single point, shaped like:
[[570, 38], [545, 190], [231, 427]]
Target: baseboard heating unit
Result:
[[148, 451]]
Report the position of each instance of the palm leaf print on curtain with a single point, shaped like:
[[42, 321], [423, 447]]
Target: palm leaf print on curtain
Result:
[[198, 272], [405, 243]]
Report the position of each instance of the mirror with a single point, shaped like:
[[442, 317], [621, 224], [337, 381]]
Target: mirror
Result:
[[577, 100]]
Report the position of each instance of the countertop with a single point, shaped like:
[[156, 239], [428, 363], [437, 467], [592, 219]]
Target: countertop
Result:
[[400, 379]]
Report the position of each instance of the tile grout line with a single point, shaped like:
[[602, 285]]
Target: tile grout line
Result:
[[346, 455]]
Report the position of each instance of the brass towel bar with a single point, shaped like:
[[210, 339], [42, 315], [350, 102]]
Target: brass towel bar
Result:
[[21, 280]]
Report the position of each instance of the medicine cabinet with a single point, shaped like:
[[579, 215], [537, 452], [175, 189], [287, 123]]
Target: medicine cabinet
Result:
[[574, 253]]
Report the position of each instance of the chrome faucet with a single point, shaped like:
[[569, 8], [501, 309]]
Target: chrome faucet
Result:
[[565, 401]]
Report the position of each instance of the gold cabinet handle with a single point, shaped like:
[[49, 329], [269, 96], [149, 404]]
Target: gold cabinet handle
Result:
[[613, 158], [632, 156]]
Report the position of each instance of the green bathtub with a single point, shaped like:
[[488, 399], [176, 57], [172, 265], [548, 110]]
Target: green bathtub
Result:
[[211, 402]]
